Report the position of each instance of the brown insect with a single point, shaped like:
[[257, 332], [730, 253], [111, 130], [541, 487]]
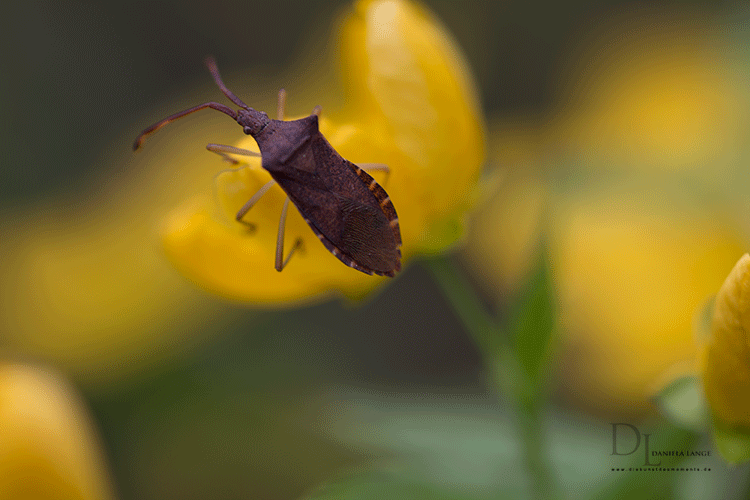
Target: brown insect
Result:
[[348, 211]]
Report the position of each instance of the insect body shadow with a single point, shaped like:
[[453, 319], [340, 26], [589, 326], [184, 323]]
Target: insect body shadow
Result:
[[346, 208]]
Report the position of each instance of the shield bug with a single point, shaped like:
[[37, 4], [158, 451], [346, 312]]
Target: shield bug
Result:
[[345, 207]]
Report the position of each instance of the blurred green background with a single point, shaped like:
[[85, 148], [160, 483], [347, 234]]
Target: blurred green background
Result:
[[261, 404]]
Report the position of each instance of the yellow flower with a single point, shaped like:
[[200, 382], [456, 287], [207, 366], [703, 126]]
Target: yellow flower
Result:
[[726, 354], [410, 105], [653, 96], [659, 100], [48, 448], [630, 273], [84, 284], [633, 253], [505, 230]]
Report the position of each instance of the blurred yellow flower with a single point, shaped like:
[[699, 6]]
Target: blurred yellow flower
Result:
[[634, 252], [631, 271], [505, 229], [726, 353], [410, 104], [84, 284], [48, 448], [653, 93]]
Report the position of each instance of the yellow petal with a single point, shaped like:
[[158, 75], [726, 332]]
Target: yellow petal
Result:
[[48, 449], [408, 80], [726, 358]]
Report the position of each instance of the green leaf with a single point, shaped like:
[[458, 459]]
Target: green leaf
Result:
[[683, 403], [732, 443], [468, 447], [531, 324], [453, 441]]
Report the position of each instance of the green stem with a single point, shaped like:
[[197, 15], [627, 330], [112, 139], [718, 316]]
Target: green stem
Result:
[[499, 358], [493, 346], [531, 424]]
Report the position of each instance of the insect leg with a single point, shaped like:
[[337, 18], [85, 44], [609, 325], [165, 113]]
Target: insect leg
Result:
[[252, 201], [317, 110], [280, 261], [222, 150], [281, 105]]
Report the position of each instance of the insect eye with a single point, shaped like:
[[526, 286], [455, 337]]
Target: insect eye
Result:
[[247, 130]]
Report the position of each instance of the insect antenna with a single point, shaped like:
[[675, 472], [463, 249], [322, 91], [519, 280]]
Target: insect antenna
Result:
[[156, 126], [214, 69]]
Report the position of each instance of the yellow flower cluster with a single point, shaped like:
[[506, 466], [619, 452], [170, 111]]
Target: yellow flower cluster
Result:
[[616, 180]]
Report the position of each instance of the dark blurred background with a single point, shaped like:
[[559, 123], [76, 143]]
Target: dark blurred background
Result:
[[77, 73]]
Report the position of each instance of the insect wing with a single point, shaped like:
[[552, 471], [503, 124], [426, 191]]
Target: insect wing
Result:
[[348, 211], [347, 216]]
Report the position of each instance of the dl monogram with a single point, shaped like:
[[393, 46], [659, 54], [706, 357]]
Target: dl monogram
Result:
[[646, 437]]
